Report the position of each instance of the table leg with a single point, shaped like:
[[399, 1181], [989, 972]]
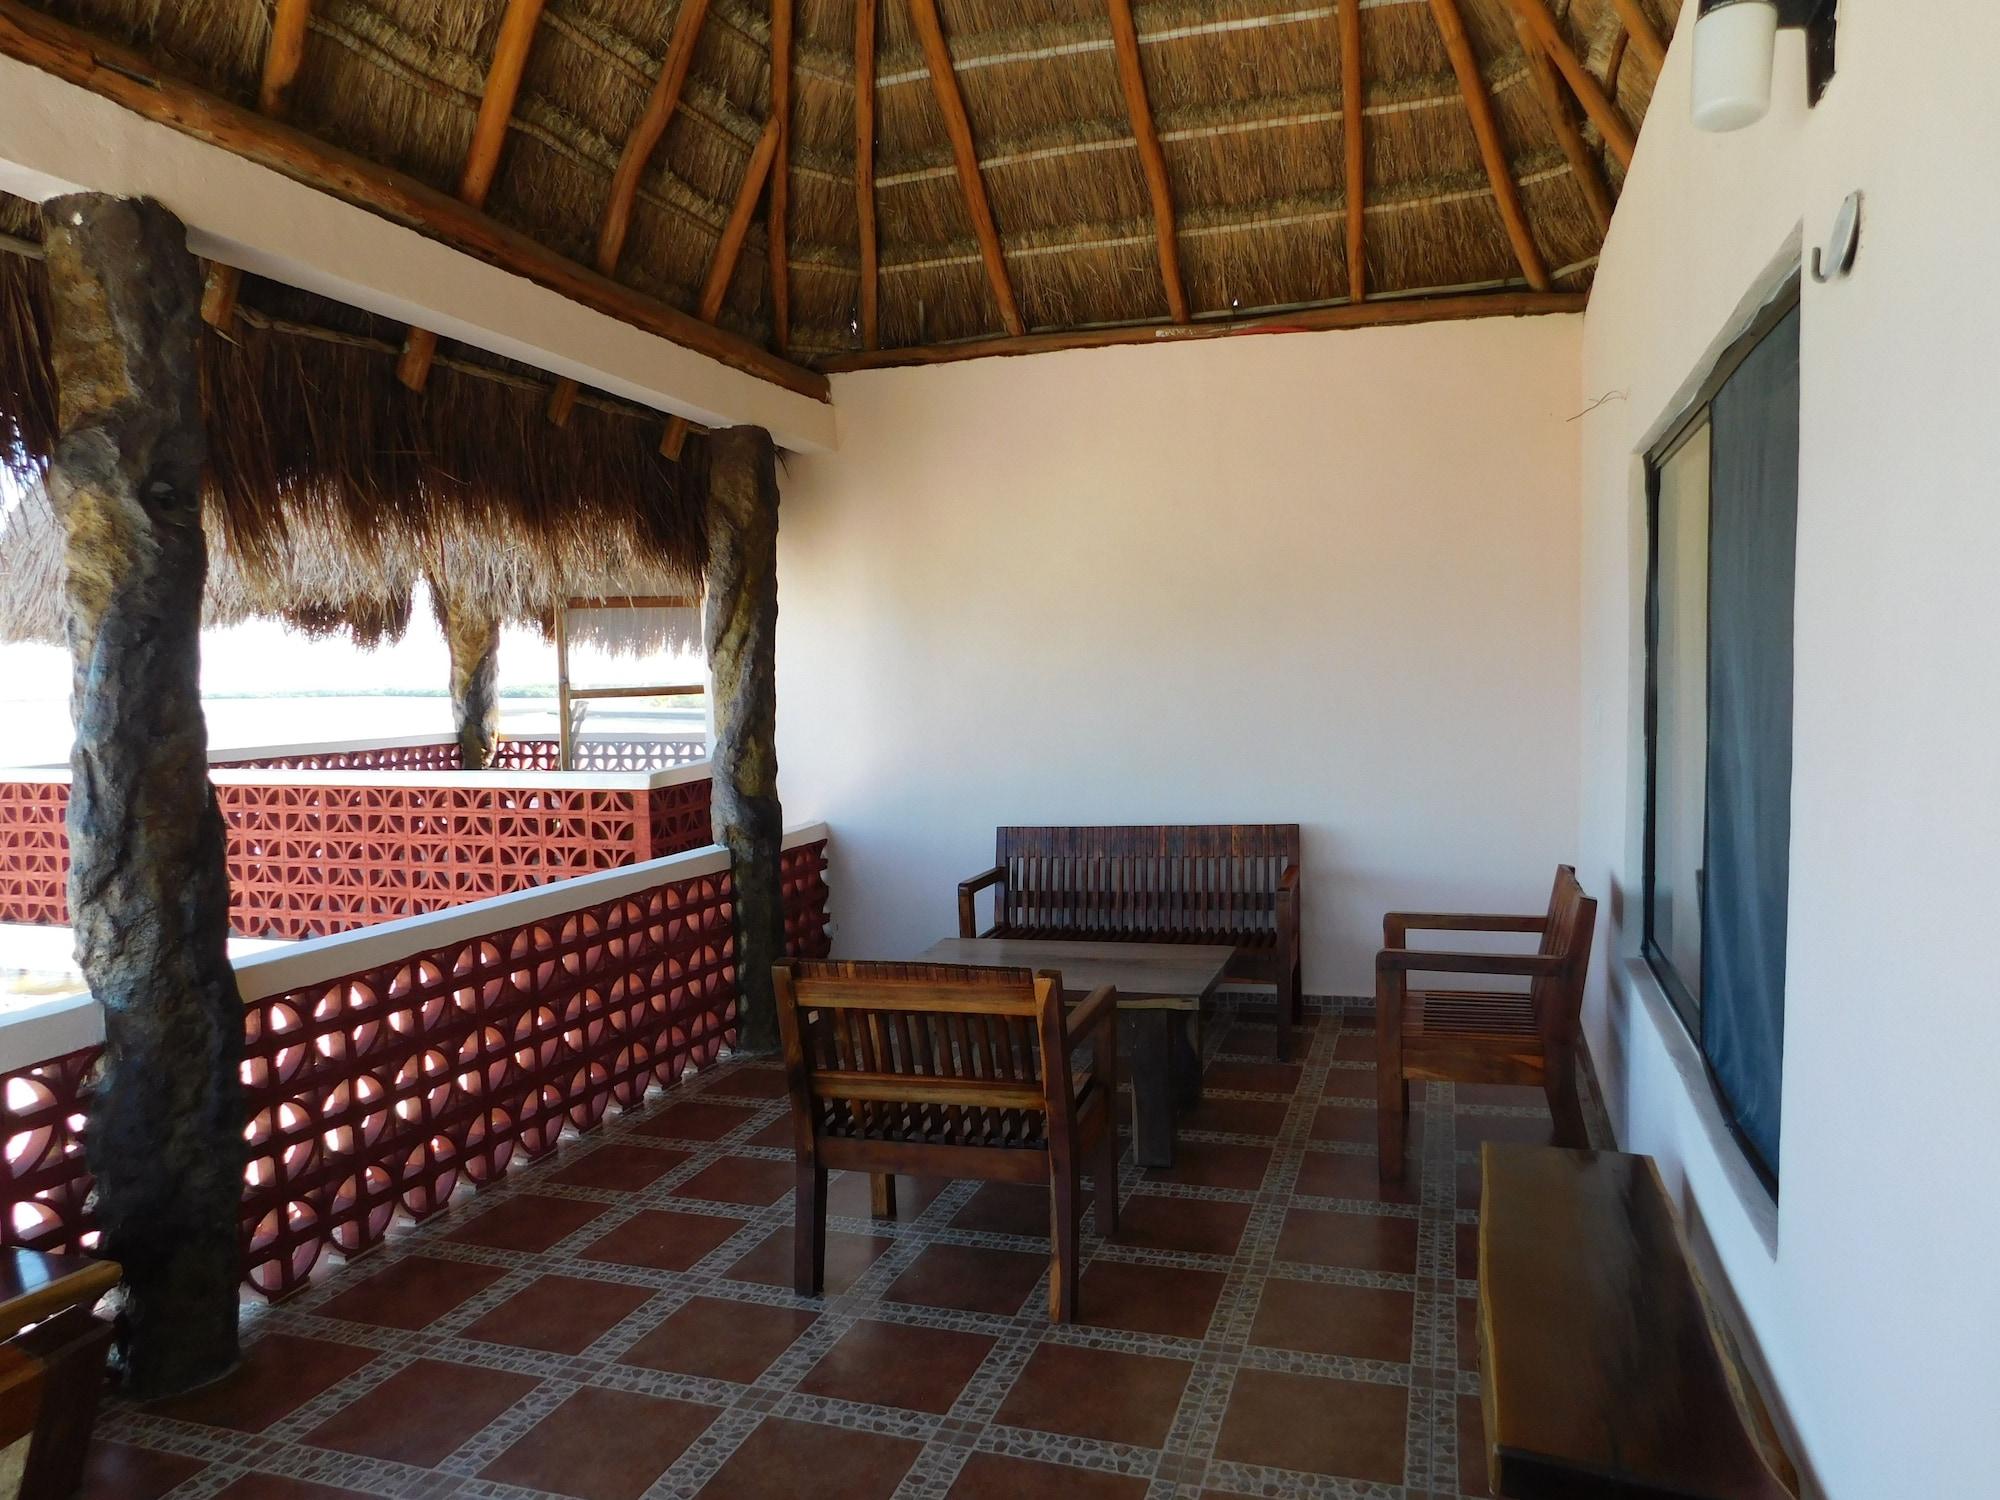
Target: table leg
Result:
[[1185, 1032], [1146, 1050]]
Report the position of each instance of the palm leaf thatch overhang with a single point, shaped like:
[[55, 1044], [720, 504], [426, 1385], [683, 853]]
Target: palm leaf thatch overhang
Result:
[[1051, 168], [331, 490]]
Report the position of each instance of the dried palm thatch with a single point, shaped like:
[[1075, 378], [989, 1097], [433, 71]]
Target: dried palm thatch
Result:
[[331, 490], [1245, 95]]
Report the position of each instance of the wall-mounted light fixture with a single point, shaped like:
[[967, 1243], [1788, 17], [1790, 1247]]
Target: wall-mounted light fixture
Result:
[[1734, 41]]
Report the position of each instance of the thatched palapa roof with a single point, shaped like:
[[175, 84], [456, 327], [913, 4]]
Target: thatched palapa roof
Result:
[[1481, 152]]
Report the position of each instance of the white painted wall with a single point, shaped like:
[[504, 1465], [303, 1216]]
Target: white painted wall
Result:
[[1871, 1288], [1327, 579]]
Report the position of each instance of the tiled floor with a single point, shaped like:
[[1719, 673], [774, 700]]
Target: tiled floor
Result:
[[617, 1324]]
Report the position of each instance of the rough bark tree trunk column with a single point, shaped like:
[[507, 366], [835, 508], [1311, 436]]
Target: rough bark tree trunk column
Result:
[[148, 885], [741, 625], [473, 634]]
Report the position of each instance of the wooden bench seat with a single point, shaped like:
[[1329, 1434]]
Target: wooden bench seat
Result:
[[1602, 1370], [1233, 885]]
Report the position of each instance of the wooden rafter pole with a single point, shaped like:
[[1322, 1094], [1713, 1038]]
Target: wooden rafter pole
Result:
[[728, 250], [482, 157], [1353, 107], [1492, 150], [944, 83], [1152, 160], [148, 878], [633, 160], [130, 80], [284, 54], [1617, 131], [1639, 26], [778, 231], [867, 313], [1556, 106]]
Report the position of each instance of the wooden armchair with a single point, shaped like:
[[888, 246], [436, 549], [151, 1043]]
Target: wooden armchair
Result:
[[943, 1070], [1483, 1036]]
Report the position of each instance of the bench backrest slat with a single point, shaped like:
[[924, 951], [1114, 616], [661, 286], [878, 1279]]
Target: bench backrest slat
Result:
[[1144, 881]]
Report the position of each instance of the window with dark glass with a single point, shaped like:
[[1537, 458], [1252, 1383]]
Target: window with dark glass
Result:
[[1723, 502]]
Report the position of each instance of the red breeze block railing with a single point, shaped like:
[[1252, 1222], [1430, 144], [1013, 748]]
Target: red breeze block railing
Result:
[[385, 1068], [317, 851]]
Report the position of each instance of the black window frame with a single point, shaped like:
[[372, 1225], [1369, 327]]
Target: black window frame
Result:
[[1696, 418]]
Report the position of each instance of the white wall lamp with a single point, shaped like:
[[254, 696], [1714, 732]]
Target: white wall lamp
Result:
[[1734, 42]]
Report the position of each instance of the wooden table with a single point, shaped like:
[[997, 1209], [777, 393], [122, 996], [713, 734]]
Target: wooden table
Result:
[[51, 1363], [1161, 990]]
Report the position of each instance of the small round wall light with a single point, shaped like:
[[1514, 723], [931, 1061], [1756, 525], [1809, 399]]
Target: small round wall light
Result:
[[1735, 43]]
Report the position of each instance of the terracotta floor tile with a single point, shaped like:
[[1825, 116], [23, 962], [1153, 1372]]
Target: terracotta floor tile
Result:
[[1468, 1333], [696, 1120], [278, 1487], [1514, 1095], [1214, 1164], [280, 1373], [413, 1293], [754, 1082], [719, 1339], [778, 1133], [1342, 1122], [1253, 1077], [992, 1476], [1522, 1130], [1312, 1317], [784, 1460], [661, 1240], [1096, 1393], [1471, 1448], [1314, 1425], [1199, 1226], [1256, 1117], [422, 1414], [1351, 1083], [1469, 1184], [1366, 1242], [1355, 1046], [849, 1195], [1165, 1300], [748, 1180], [620, 1167], [1339, 1174], [1006, 1208], [528, 1222], [559, 1314], [847, 1257], [896, 1364], [971, 1280], [1466, 1242], [118, 1471], [602, 1445], [1259, 1039]]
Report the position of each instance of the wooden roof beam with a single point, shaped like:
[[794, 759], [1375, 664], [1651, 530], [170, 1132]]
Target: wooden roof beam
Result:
[[284, 54], [777, 223], [1639, 26], [1617, 131], [867, 314], [482, 157], [944, 83], [729, 250], [1152, 160], [1556, 106], [1492, 150], [633, 160], [1353, 107]]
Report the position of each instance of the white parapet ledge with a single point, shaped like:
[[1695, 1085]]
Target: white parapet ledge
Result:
[[56, 137], [518, 781], [68, 1023]]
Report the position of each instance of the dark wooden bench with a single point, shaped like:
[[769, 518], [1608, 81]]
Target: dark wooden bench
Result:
[[1603, 1371], [1230, 884]]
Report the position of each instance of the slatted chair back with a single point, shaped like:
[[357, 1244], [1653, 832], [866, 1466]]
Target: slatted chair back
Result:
[[1205, 883], [1571, 930], [930, 1054]]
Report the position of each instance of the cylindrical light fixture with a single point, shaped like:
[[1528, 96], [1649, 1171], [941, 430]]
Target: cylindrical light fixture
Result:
[[1735, 42]]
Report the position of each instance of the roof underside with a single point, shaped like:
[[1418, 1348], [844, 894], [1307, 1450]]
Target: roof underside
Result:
[[1245, 97]]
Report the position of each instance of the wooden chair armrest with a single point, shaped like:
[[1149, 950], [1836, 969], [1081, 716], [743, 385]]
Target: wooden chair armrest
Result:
[[968, 920], [1434, 961], [1397, 925], [1101, 1006]]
